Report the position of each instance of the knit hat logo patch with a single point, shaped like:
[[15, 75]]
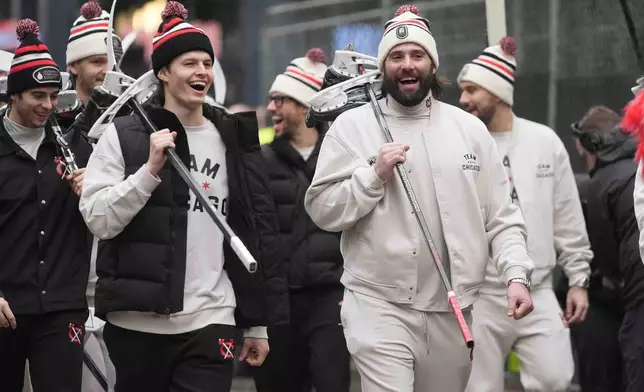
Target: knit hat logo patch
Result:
[[463, 72], [401, 32], [47, 75]]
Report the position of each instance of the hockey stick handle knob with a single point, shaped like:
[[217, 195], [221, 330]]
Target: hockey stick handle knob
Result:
[[243, 253], [462, 324]]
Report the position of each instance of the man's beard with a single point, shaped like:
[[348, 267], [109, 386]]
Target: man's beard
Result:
[[289, 129], [426, 80], [486, 115]]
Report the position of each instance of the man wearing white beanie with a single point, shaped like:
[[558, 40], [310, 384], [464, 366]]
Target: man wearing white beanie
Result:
[[396, 316], [87, 63], [87, 49], [307, 344], [543, 186]]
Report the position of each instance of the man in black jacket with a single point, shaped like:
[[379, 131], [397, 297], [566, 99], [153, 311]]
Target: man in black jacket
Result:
[[171, 290], [612, 227], [44, 247], [312, 351]]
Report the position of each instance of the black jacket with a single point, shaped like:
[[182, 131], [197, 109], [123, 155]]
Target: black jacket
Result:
[[143, 268], [44, 242], [312, 255], [611, 222]]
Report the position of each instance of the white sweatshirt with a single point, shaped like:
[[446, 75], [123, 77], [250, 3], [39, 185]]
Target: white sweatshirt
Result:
[[544, 187], [109, 202], [381, 241]]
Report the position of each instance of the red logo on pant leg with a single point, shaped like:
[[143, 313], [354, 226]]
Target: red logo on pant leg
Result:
[[226, 348], [75, 333]]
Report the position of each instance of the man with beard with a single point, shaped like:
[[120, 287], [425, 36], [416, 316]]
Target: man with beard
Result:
[[171, 289], [44, 248], [87, 55], [312, 351], [543, 186], [396, 316]]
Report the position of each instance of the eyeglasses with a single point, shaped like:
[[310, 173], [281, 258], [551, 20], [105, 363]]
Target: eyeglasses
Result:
[[278, 99]]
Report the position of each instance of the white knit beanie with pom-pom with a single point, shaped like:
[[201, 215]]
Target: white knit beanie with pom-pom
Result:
[[407, 27], [494, 70], [303, 77], [88, 35]]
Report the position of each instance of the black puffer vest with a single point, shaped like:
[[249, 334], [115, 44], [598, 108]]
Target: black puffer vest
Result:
[[143, 268]]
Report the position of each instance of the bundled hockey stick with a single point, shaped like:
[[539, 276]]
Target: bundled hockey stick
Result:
[[130, 98]]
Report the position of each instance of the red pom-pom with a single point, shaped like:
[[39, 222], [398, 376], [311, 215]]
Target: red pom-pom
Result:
[[633, 121], [91, 10], [25, 27], [316, 55], [508, 46], [406, 8], [174, 8]]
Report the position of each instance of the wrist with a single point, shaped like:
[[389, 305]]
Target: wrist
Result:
[[523, 281], [583, 283], [152, 169]]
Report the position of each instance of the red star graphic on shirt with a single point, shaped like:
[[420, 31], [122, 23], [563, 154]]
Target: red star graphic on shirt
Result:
[[205, 185]]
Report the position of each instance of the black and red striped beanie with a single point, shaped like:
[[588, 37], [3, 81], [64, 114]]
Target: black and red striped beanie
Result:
[[32, 65], [175, 37]]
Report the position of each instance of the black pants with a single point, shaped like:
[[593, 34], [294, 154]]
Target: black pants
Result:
[[631, 339], [599, 358], [198, 361], [311, 352], [53, 344]]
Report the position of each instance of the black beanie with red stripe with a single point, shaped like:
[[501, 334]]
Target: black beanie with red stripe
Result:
[[32, 65], [176, 37]]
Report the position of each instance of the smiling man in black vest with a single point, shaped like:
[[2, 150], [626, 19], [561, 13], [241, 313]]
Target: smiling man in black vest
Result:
[[172, 291]]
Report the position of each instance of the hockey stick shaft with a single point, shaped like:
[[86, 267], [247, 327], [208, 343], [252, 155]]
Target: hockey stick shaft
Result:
[[98, 375], [235, 242], [409, 191]]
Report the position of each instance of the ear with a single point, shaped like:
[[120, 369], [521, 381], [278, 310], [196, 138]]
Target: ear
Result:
[[164, 74], [73, 68]]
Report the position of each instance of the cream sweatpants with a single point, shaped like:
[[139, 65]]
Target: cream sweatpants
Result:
[[398, 349], [540, 340]]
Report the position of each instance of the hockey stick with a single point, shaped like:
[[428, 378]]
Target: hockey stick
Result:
[[91, 365], [424, 228], [129, 97]]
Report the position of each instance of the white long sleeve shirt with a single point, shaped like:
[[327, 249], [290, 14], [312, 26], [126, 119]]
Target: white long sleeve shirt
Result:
[[110, 201]]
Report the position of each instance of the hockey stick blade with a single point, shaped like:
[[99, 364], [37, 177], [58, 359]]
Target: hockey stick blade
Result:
[[141, 88], [335, 97]]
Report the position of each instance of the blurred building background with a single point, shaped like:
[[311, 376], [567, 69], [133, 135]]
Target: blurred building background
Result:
[[572, 53]]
